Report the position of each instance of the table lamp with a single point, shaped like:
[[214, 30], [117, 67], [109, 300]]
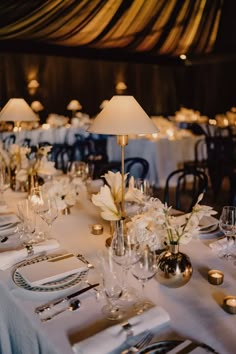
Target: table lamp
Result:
[[17, 110], [122, 116], [74, 106]]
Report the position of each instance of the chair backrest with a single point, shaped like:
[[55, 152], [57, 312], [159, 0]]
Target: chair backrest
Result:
[[8, 140], [137, 167], [183, 187], [200, 150], [221, 159], [62, 155], [134, 166]]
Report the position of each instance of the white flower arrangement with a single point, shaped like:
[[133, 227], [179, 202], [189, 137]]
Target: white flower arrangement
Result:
[[157, 226], [65, 192], [19, 159], [110, 196]]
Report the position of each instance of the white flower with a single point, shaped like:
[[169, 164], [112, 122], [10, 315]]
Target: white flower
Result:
[[114, 180], [22, 175], [63, 191], [105, 201], [157, 219], [109, 197], [46, 167], [133, 194]]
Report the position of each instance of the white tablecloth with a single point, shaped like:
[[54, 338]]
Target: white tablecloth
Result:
[[52, 135], [164, 155], [195, 309]]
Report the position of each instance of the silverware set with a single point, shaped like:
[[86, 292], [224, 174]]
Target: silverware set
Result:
[[63, 304], [51, 309]]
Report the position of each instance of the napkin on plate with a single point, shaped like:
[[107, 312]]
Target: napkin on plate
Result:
[[114, 336], [9, 258], [221, 244]]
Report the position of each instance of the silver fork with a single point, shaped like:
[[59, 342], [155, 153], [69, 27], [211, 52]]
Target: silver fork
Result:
[[145, 340]]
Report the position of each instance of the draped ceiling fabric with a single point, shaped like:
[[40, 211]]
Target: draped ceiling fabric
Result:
[[136, 28]]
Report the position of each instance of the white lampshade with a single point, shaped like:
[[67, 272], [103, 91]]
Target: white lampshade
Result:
[[36, 106], [74, 105], [122, 115], [17, 110]]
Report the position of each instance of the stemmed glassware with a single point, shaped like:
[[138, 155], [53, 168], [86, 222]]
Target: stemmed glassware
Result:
[[112, 285], [44, 206], [4, 182], [28, 222], [126, 259], [78, 169], [144, 270], [227, 224]]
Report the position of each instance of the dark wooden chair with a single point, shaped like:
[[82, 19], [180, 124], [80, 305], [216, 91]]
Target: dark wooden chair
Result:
[[62, 155], [134, 166], [183, 186], [221, 160], [200, 156], [8, 140]]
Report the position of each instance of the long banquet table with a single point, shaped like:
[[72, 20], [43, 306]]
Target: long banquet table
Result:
[[195, 309], [164, 155]]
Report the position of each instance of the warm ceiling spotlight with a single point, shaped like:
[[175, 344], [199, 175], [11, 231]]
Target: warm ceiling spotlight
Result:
[[183, 57]]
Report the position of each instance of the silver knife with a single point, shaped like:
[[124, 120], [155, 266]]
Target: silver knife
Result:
[[53, 303]]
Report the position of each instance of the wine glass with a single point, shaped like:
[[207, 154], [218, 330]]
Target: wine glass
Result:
[[112, 285], [78, 169], [227, 224], [144, 270], [4, 183], [126, 259], [28, 222], [45, 206]]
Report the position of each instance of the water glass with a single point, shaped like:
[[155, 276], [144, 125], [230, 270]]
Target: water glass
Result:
[[227, 224]]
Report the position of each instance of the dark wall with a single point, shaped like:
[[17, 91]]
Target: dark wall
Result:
[[209, 88]]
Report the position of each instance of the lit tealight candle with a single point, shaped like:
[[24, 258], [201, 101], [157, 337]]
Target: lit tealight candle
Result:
[[215, 277], [97, 229], [229, 304]]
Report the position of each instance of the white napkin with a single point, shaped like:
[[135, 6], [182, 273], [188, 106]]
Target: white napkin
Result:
[[188, 347], [221, 244], [9, 258], [114, 336]]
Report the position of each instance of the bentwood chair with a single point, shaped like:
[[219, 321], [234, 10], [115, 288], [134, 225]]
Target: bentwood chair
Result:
[[10, 139], [183, 187], [63, 156], [221, 160], [134, 166], [200, 156]]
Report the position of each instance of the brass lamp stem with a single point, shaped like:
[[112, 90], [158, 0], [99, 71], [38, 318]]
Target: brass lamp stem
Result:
[[122, 140]]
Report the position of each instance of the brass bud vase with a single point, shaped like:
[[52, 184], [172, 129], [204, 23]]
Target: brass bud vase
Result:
[[174, 268]]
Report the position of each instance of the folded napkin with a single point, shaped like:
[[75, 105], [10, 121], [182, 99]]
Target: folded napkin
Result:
[[188, 347], [9, 258], [221, 244], [114, 336]]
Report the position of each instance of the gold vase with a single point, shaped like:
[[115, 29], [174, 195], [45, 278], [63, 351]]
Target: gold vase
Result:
[[66, 211], [174, 267]]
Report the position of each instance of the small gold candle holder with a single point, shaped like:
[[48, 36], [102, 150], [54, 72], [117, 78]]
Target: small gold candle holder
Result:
[[229, 304], [215, 277], [97, 229]]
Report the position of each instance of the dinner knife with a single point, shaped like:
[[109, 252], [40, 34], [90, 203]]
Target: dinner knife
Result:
[[53, 303]]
